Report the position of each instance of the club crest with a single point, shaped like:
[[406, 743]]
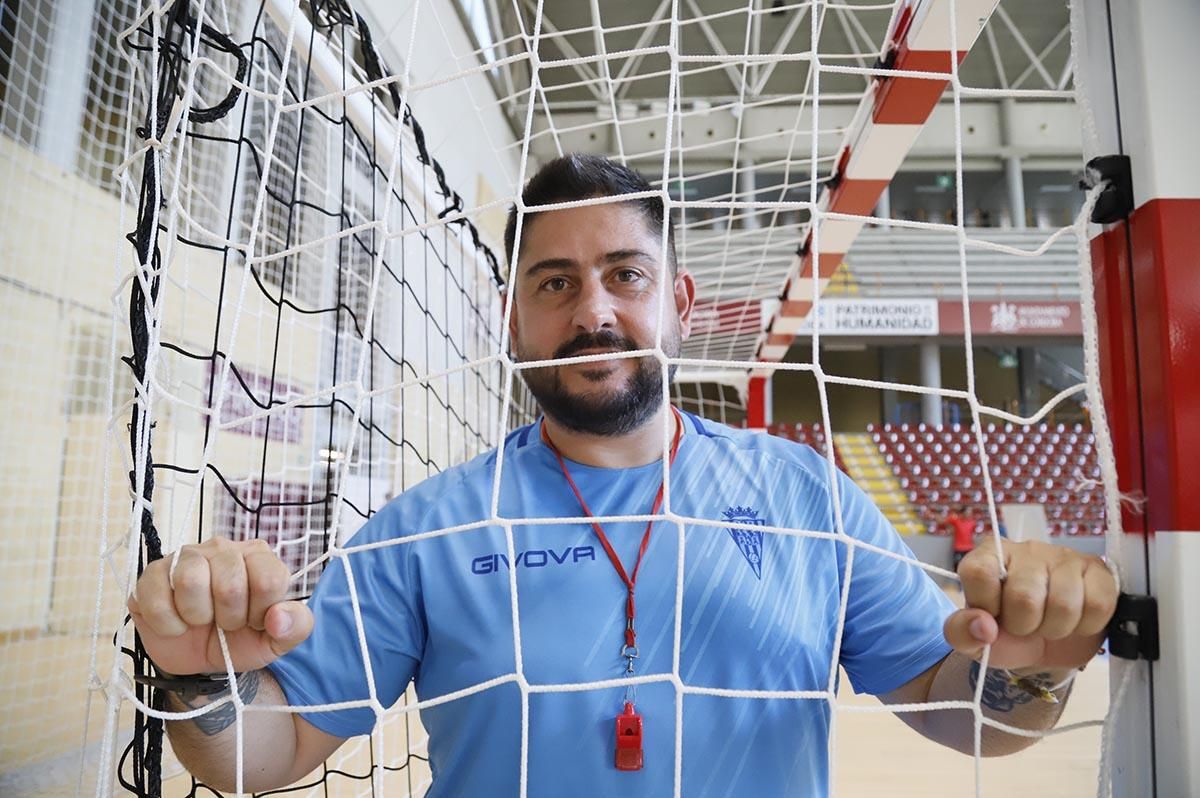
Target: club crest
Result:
[[749, 541]]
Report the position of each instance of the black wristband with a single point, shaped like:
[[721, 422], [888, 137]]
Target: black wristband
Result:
[[188, 688]]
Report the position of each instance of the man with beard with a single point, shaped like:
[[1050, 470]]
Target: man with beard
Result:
[[634, 655]]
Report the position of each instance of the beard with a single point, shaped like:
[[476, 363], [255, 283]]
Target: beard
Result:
[[610, 413]]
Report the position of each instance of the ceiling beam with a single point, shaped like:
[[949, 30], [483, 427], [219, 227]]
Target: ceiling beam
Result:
[[607, 86], [781, 45], [872, 45], [1023, 43], [755, 39], [1059, 37], [497, 27], [1068, 72], [632, 64], [565, 47], [714, 41], [994, 49], [1043, 129], [840, 14]]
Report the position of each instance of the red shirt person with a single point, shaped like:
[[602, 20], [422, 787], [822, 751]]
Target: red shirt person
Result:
[[962, 526]]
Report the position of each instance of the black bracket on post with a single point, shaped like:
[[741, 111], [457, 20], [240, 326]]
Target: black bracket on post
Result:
[[1115, 173], [1133, 630], [887, 61]]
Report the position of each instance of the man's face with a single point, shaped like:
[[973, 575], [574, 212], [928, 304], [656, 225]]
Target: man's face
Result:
[[591, 280]]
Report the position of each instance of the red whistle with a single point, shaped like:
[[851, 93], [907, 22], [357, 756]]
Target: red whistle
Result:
[[629, 739]]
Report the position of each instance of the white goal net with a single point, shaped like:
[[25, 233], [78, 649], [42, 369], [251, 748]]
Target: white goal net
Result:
[[254, 287]]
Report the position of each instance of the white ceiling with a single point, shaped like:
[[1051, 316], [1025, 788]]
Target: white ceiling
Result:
[[603, 66]]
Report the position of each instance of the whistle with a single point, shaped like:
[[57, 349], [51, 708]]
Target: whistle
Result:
[[629, 739]]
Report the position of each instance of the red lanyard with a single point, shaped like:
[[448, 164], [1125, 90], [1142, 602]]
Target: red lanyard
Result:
[[629, 650]]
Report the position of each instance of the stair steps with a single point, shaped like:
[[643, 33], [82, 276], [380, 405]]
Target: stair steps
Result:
[[866, 466]]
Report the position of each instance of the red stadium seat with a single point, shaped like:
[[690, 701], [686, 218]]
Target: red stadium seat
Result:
[[940, 468]]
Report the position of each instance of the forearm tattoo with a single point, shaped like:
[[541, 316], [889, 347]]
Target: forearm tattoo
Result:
[[1001, 694], [219, 719]]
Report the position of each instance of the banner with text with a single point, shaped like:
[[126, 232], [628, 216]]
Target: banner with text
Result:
[[874, 317], [1014, 318]]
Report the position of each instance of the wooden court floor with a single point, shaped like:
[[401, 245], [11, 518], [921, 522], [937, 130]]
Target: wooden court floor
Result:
[[878, 755]]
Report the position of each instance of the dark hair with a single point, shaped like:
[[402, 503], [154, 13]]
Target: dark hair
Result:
[[578, 176]]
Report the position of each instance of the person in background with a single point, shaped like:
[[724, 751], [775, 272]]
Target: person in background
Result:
[[962, 526]]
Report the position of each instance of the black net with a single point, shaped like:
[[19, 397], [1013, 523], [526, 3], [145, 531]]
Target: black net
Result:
[[314, 322]]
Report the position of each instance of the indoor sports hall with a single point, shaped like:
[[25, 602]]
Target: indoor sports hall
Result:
[[254, 284]]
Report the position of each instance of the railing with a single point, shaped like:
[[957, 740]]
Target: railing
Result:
[[906, 263], [1056, 373], [746, 264], [888, 262]]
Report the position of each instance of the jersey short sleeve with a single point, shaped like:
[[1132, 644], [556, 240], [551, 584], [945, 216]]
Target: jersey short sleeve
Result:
[[328, 667], [895, 611]]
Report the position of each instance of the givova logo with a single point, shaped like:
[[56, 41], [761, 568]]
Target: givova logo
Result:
[[749, 541], [534, 558]]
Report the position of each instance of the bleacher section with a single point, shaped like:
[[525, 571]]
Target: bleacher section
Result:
[[1043, 464], [812, 434], [916, 473]]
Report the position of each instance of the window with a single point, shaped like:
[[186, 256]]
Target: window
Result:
[[296, 170], [109, 100], [293, 517], [8, 41]]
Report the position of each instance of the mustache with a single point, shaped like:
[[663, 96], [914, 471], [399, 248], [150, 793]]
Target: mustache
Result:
[[599, 340]]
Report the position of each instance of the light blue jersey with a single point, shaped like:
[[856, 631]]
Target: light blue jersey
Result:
[[759, 612]]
